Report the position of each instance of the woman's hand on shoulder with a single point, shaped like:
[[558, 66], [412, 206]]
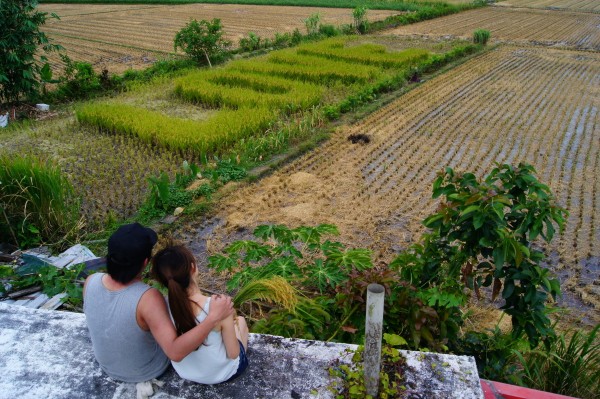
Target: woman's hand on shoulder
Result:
[[221, 307]]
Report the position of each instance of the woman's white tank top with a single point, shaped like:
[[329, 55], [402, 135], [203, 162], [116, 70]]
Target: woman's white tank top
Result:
[[209, 363]]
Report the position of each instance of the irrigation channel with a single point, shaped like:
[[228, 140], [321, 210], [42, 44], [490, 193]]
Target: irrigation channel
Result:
[[526, 101]]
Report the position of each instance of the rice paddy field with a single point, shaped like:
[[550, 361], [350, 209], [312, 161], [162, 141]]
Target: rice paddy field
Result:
[[517, 26], [119, 37], [510, 105], [533, 97], [578, 5]]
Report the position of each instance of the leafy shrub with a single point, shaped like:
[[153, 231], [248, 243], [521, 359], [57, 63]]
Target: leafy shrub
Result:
[[23, 47], [38, 203], [53, 281], [481, 36], [300, 256], [488, 228], [203, 41], [250, 43], [79, 80], [360, 19], [312, 24], [329, 31]]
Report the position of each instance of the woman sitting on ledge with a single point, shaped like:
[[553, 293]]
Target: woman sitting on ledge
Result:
[[222, 357]]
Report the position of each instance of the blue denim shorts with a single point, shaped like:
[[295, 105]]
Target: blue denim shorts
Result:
[[243, 363]]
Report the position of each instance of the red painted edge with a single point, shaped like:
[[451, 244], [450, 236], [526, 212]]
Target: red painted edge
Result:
[[500, 390]]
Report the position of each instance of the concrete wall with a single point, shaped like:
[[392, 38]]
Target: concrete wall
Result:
[[48, 354]]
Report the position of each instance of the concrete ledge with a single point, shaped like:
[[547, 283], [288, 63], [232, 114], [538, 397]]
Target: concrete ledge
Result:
[[48, 354]]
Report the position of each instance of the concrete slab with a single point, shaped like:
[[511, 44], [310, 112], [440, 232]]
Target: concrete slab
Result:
[[48, 354]]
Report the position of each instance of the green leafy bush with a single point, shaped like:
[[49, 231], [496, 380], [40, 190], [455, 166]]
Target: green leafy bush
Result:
[[250, 43], [23, 45], [312, 24], [488, 227], [79, 80], [38, 203], [53, 281], [329, 31], [203, 41], [360, 19]]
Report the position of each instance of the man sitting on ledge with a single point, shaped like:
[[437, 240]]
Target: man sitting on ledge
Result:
[[132, 335]]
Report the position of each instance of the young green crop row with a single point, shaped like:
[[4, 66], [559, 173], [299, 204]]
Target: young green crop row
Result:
[[251, 94], [234, 89], [209, 136], [368, 54]]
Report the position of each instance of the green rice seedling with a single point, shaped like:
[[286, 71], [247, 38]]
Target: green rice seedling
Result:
[[481, 36], [38, 203], [292, 57], [235, 89], [319, 74], [202, 137], [369, 54]]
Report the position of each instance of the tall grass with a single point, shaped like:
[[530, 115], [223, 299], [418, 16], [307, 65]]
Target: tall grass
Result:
[[368, 54], [38, 203], [567, 366], [321, 73], [202, 137], [481, 36], [229, 88]]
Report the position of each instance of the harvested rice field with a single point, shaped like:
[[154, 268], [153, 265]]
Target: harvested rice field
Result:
[[516, 25], [578, 5], [116, 37], [511, 104]]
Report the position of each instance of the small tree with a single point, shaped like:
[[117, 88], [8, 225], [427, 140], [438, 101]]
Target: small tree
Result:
[[20, 40], [360, 19], [203, 41], [312, 24], [488, 229]]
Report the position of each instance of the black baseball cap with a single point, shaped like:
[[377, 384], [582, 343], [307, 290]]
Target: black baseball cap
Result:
[[130, 245]]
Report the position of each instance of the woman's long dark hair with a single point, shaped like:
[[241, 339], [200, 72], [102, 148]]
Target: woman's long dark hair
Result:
[[172, 267]]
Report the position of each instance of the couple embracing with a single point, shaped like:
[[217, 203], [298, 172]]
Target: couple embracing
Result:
[[135, 332]]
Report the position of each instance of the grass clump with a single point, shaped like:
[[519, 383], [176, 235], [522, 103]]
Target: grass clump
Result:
[[481, 36], [38, 203], [567, 366]]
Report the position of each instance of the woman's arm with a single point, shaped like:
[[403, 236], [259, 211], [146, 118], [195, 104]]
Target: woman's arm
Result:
[[153, 311], [230, 340]]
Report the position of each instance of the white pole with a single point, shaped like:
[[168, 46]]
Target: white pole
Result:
[[373, 333]]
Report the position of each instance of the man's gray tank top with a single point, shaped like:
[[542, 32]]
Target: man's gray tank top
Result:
[[125, 351]]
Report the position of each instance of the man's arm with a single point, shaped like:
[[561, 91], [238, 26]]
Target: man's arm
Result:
[[153, 310]]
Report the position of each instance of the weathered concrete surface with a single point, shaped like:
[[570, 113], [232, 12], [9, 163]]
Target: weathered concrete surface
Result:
[[47, 354]]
